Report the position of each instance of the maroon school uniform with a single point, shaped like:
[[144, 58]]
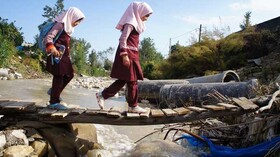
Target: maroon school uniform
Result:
[[126, 67], [63, 71], [134, 72], [65, 66], [126, 75]]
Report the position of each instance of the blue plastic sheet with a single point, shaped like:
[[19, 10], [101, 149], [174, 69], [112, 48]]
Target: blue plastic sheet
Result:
[[259, 150]]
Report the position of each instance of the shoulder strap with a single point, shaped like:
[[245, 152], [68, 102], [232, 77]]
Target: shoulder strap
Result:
[[57, 36]]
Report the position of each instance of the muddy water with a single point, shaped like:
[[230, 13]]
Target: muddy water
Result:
[[115, 139]]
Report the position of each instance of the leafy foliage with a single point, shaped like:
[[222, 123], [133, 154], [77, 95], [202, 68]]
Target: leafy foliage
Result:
[[7, 50], [51, 12], [149, 58], [10, 32], [79, 50], [246, 22]]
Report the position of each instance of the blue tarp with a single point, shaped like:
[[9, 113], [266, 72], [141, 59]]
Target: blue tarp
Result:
[[259, 150]]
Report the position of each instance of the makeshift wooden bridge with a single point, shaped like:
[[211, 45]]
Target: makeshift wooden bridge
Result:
[[14, 111]]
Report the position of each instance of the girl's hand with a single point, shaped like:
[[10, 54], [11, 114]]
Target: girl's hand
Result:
[[126, 61], [54, 52]]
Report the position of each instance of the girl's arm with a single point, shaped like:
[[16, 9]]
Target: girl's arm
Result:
[[50, 48], [127, 29]]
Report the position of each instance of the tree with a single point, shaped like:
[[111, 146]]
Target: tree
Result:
[[99, 64], [11, 32], [108, 64], [7, 50], [148, 51], [93, 59], [246, 22], [79, 50], [149, 57], [51, 12]]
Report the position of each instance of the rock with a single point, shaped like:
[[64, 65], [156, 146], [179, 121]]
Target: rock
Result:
[[63, 142], [40, 147], [2, 139], [99, 153], [18, 151], [159, 148], [86, 132], [18, 75], [4, 72], [15, 137]]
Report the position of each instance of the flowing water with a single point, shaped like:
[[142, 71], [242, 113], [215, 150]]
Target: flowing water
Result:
[[115, 139]]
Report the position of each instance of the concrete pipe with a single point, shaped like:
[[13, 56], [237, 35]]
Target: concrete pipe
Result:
[[150, 89], [178, 94], [226, 76]]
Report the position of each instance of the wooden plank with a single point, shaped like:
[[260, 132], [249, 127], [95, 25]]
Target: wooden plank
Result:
[[46, 111], [182, 110], [146, 114], [214, 107], [96, 112], [157, 113], [114, 112], [3, 104], [77, 111], [196, 109], [132, 115], [60, 113], [18, 105], [169, 112], [228, 106], [245, 103], [4, 100]]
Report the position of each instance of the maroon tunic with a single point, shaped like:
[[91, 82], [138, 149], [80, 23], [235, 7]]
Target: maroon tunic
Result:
[[64, 67], [134, 72]]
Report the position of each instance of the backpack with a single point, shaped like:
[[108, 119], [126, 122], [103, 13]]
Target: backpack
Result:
[[44, 30]]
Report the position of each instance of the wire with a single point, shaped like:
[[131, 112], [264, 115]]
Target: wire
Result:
[[184, 33]]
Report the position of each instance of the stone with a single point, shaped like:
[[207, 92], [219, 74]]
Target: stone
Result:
[[40, 147], [16, 137], [3, 140], [18, 151], [159, 148]]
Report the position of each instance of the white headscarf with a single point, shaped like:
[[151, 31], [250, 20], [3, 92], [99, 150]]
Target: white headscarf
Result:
[[68, 17], [133, 15]]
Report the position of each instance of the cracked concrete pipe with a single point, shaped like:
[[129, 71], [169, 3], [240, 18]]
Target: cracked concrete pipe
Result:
[[226, 76], [150, 89], [178, 95]]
